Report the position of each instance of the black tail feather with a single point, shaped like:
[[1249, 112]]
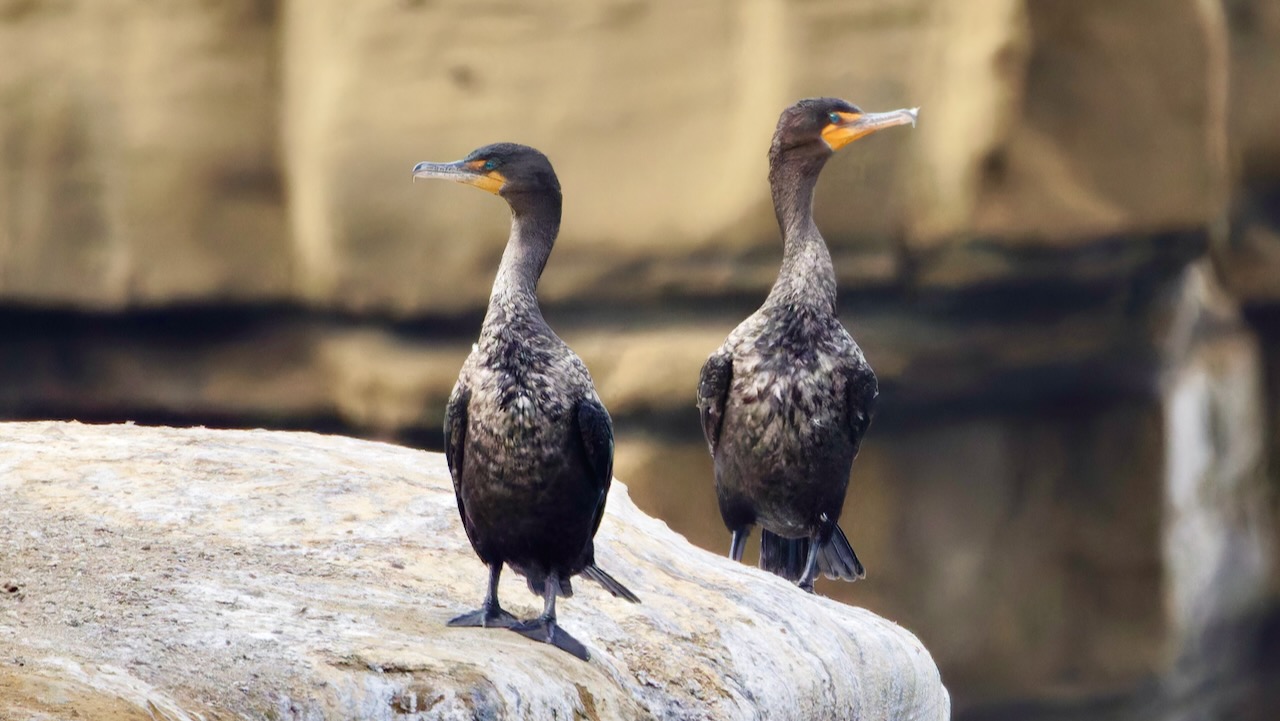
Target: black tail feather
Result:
[[597, 574], [783, 556], [536, 584], [837, 560], [786, 557]]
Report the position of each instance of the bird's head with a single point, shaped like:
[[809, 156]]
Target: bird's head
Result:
[[825, 125], [502, 169]]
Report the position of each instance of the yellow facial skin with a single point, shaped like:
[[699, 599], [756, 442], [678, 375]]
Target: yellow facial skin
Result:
[[472, 173], [853, 126], [491, 181]]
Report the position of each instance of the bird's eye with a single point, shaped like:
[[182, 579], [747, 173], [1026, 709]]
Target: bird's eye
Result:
[[490, 164], [833, 117]]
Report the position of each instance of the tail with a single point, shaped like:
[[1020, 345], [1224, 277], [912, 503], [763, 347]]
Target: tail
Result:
[[786, 557], [536, 586], [597, 574], [837, 560], [783, 556]]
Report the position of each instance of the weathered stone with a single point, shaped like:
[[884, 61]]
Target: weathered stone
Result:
[[1220, 514], [1043, 170], [451, 80], [964, 528], [285, 367], [196, 573], [1105, 133], [158, 180], [132, 178], [1255, 106], [1249, 259], [1006, 265], [137, 153]]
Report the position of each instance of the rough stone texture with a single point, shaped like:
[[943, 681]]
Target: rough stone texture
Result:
[[1255, 65], [1036, 86], [1047, 547], [1075, 139], [139, 168], [252, 574], [1250, 258], [145, 169], [1220, 516]]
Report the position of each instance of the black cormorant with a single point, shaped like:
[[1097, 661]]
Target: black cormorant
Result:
[[528, 442], [787, 398]]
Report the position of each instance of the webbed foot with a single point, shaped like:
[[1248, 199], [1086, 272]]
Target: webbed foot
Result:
[[546, 631], [485, 618]]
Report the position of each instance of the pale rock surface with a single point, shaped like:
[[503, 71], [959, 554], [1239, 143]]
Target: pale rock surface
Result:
[[184, 574]]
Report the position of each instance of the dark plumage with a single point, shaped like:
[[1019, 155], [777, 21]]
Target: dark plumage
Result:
[[529, 445], [786, 400]]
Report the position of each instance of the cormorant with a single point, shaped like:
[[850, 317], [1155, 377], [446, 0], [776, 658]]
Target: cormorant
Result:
[[528, 442], [786, 400]]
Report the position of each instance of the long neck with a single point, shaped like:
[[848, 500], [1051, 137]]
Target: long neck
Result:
[[535, 222], [807, 274]]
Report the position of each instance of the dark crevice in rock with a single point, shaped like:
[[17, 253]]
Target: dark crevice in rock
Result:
[[1051, 284]]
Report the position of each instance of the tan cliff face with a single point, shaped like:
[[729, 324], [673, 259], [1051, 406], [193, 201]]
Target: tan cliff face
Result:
[[206, 217], [259, 150]]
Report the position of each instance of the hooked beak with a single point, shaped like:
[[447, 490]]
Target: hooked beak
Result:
[[853, 126], [460, 172]]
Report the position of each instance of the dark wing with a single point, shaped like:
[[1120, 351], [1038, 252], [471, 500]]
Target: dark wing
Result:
[[861, 390], [455, 439], [713, 392], [596, 431]]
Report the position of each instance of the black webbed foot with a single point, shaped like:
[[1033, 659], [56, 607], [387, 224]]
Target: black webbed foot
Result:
[[547, 631], [544, 628], [485, 618], [490, 615]]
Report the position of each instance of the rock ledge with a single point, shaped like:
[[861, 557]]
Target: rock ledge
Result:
[[196, 574]]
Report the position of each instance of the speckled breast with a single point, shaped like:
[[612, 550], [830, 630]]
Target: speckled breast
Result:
[[787, 405]]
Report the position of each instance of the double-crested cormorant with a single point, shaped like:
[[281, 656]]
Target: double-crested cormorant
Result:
[[529, 445], [787, 398]]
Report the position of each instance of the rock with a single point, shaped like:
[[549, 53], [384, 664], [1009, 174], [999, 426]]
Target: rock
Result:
[[138, 179], [1249, 259], [253, 574], [968, 521], [245, 220], [1255, 64], [139, 169], [1220, 517], [1085, 129]]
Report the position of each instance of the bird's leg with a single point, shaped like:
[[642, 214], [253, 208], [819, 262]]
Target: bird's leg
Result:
[[739, 543], [810, 566], [490, 615], [544, 628]]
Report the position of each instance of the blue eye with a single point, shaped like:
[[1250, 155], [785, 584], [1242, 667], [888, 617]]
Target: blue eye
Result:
[[490, 164], [833, 117]]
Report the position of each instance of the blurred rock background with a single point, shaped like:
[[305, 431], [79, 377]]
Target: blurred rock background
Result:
[[1067, 278]]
